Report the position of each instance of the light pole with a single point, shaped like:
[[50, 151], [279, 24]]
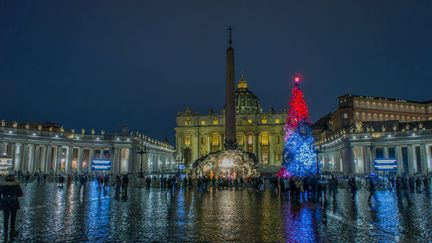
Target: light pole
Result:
[[141, 150]]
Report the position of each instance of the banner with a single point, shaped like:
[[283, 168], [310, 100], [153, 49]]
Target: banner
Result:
[[101, 164], [385, 165]]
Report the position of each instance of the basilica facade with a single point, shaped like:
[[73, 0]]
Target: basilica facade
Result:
[[258, 132]]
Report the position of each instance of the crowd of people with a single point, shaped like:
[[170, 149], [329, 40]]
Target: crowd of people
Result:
[[313, 188]]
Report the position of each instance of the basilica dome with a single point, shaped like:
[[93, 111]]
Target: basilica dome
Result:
[[246, 101]]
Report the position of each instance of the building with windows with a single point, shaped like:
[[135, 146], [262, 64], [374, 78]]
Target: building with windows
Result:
[[365, 131], [258, 132], [49, 148]]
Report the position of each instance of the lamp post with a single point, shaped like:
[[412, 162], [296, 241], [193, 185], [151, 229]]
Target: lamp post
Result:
[[141, 150]]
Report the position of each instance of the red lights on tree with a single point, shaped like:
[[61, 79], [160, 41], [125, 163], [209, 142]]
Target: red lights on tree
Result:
[[298, 109]]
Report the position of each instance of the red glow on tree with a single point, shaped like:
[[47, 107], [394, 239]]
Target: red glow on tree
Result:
[[298, 109], [283, 173]]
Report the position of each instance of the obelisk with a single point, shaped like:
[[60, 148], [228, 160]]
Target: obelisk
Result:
[[230, 126]]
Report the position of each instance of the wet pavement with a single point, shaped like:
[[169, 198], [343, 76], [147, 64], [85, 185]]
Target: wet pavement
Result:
[[69, 214]]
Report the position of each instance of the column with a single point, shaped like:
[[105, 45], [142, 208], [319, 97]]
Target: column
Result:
[[128, 158], [112, 158], [47, 162], [412, 167], [12, 155], [270, 148], [17, 161], [57, 164], [91, 154], [372, 157], [386, 154], [428, 158], [255, 148], [102, 150], [208, 143], [114, 162], [36, 158], [368, 159], [399, 159], [24, 163], [42, 157], [146, 162], [196, 146], [69, 159], [4, 148], [423, 156], [160, 164], [30, 164], [80, 159]]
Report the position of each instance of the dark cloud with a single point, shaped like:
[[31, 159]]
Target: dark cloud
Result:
[[106, 64]]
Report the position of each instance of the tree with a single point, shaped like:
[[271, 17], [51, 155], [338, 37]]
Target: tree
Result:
[[299, 156]]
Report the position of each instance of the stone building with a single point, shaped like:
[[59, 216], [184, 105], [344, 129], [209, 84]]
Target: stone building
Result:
[[364, 130], [49, 148], [258, 132]]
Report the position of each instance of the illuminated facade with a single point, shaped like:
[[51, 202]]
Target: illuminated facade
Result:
[[257, 132], [48, 148], [364, 129]]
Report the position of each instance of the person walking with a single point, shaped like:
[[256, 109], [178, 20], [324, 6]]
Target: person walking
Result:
[[405, 187], [333, 186], [118, 184], [353, 186], [411, 183], [418, 183], [125, 182], [148, 181], [372, 189], [426, 183], [9, 193], [27, 177], [399, 188]]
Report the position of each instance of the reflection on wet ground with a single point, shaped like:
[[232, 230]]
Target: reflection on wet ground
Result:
[[70, 214]]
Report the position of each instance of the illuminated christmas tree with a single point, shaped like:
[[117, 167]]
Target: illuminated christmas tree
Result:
[[299, 156]]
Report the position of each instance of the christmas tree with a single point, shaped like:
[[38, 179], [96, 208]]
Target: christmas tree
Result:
[[299, 156]]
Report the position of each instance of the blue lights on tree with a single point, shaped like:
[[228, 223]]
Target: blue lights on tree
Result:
[[299, 152], [299, 156]]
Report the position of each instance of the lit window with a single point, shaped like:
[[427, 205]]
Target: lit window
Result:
[[215, 121], [250, 139], [277, 121], [215, 139], [345, 115], [250, 121], [187, 140], [203, 122], [240, 139], [264, 138], [264, 120]]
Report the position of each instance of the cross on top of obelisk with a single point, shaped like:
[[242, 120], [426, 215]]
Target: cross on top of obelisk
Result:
[[230, 29]]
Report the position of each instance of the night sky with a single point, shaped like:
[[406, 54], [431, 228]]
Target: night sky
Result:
[[106, 64]]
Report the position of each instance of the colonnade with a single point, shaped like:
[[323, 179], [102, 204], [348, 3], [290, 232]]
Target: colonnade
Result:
[[359, 158], [53, 158]]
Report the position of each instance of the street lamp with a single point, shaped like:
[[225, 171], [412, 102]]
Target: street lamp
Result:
[[141, 150]]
